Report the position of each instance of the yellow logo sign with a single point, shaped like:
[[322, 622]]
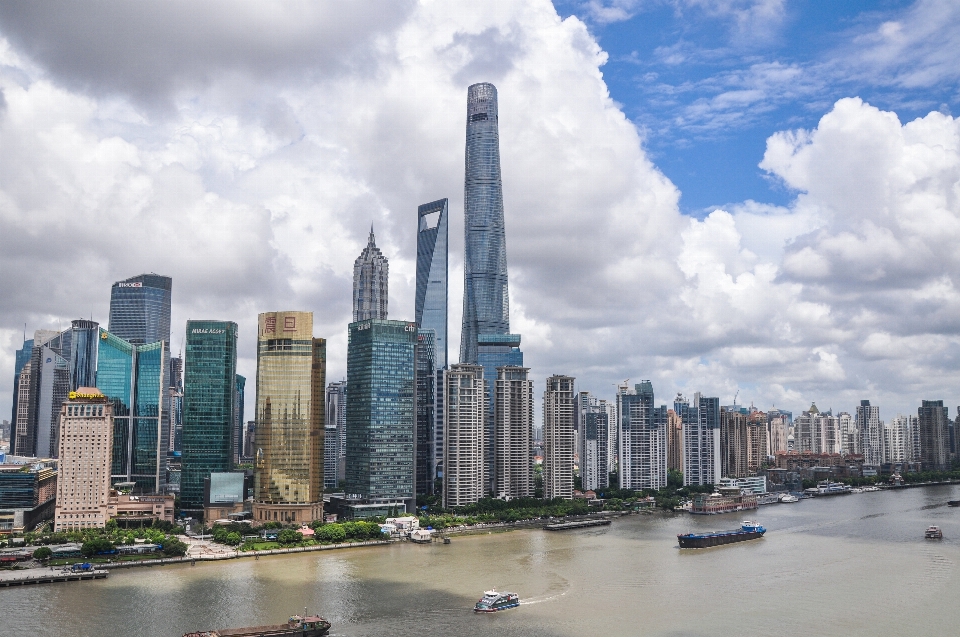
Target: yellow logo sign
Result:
[[74, 395], [103, 336]]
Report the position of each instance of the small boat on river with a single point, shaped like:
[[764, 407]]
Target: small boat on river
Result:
[[933, 533], [953, 503], [789, 499], [492, 601]]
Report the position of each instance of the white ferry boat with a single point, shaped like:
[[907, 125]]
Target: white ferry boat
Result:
[[492, 601]]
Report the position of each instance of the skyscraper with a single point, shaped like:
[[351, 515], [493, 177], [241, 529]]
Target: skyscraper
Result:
[[486, 306], [288, 460], [209, 406], [932, 420], [558, 438], [49, 386], [674, 441], [131, 377], [370, 274], [381, 411], [643, 439], [513, 427], [701, 439], [239, 396], [174, 415], [464, 476], [426, 411], [757, 443], [493, 352], [21, 359], [432, 266], [140, 315], [733, 443]]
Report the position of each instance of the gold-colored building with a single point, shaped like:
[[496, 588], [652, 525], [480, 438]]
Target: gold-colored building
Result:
[[86, 450], [291, 379]]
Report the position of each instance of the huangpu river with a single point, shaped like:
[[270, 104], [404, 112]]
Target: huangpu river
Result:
[[847, 565]]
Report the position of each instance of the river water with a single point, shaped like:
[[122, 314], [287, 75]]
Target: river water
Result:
[[847, 565]]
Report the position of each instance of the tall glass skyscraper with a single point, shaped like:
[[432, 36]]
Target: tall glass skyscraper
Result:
[[486, 307], [381, 410], [20, 360], [209, 406], [432, 265], [426, 411], [131, 377], [291, 374]]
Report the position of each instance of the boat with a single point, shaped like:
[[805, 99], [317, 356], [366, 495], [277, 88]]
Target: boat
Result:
[[933, 533], [492, 601], [870, 489], [299, 625], [786, 498], [953, 503], [747, 531], [825, 487]]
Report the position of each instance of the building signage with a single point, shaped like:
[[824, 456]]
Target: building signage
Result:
[[207, 330], [74, 395], [137, 284], [410, 327], [363, 326]]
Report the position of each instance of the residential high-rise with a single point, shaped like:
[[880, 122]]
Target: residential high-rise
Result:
[[131, 377], [370, 275], [896, 445], [486, 303], [83, 353], [513, 427], [871, 433], [701, 439], [757, 445], [209, 406], [464, 432], [674, 441], [493, 352], [426, 414], [643, 439], [430, 308], [849, 439], [593, 426], [288, 460], [934, 442], [733, 444], [85, 458], [381, 411], [336, 406], [610, 409], [558, 438]]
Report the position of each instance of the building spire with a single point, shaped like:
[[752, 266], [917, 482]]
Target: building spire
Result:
[[371, 241]]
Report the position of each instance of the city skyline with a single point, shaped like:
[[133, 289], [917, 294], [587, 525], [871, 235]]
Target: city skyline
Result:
[[764, 299]]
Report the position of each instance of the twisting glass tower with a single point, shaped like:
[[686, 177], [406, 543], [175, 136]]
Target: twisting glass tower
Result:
[[486, 308], [370, 272]]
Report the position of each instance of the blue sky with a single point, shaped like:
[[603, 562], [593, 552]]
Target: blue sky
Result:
[[708, 81]]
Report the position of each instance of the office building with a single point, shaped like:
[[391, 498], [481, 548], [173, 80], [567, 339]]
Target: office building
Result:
[[643, 439], [465, 408], [426, 414], [174, 414], [84, 342], [85, 454], [513, 428], [21, 359], [592, 432], [336, 407], [370, 275], [237, 433], [288, 459], [871, 433], [430, 308], [486, 305], [209, 406], [932, 420], [28, 494], [733, 444], [701, 439], [131, 377], [493, 352], [381, 411], [558, 438]]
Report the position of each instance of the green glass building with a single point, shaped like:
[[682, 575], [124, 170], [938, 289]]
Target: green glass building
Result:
[[381, 410], [131, 377], [209, 406]]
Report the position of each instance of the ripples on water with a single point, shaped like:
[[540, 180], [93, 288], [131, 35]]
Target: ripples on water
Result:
[[847, 565]]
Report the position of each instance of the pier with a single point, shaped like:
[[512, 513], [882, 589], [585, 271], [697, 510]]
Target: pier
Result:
[[577, 524], [35, 576]]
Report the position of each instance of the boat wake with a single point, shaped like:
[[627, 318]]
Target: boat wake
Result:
[[548, 597]]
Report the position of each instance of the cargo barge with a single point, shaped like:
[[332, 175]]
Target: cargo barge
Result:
[[299, 625], [747, 531]]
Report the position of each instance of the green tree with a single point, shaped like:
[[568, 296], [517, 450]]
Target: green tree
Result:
[[289, 536], [96, 545], [42, 553], [173, 547], [332, 533], [233, 538]]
